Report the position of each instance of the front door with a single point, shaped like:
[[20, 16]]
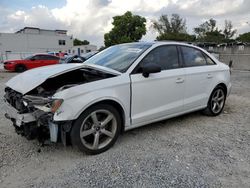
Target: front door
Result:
[[160, 94]]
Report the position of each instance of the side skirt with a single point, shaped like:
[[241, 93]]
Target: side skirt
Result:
[[162, 118]]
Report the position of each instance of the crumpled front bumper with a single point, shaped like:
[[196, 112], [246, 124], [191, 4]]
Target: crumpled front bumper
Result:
[[12, 114], [25, 118]]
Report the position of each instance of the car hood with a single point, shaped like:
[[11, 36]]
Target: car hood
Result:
[[25, 82]]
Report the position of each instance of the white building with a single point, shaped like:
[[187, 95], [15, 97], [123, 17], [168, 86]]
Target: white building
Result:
[[31, 40], [82, 49]]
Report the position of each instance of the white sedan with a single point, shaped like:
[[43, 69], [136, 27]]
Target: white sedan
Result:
[[121, 88]]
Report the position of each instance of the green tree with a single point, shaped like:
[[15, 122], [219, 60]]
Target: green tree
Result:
[[176, 37], [245, 37], [207, 27], [229, 32], [214, 36], [172, 29], [102, 48], [127, 28], [208, 32], [78, 42], [85, 42]]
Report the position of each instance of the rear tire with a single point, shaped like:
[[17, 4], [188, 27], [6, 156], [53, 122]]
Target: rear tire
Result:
[[20, 68], [97, 129], [216, 102]]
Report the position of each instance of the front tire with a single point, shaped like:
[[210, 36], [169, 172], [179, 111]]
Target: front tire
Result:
[[97, 129], [216, 102], [20, 68]]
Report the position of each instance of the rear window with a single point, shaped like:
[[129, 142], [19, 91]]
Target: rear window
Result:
[[193, 57], [209, 60]]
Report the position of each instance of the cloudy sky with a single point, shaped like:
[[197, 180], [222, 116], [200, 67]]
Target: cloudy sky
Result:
[[90, 19]]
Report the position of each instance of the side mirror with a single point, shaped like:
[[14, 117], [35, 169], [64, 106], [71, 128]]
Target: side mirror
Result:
[[32, 59], [150, 68]]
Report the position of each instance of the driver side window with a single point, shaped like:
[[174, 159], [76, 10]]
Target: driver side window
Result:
[[36, 57], [165, 56]]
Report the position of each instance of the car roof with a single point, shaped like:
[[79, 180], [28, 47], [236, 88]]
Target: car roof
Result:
[[142, 43], [158, 43], [175, 43], [45, 54], [162, 43]]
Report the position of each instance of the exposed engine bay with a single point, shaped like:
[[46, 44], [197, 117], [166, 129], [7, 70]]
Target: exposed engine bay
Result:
[[67, 80], [33, 111]]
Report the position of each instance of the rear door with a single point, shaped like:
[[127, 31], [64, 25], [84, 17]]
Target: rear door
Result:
[[160, 94], [199, 71], [50, 60]]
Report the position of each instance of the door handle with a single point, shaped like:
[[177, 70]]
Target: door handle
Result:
[[179, 80], [209, 76]]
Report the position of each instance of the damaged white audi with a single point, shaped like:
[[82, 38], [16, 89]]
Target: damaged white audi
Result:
[[123, 87]]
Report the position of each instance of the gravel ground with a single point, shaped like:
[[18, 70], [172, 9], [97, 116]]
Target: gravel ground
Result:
[[189, 151]]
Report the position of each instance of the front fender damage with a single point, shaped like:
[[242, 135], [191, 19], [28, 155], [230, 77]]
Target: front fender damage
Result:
[[33, 110]]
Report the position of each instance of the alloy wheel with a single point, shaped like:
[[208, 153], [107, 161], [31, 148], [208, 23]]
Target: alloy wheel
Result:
[[217, 101], [98, 129]]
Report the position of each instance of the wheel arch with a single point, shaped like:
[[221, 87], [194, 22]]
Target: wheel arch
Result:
[[207, 110], [118, 106], [223, 85]]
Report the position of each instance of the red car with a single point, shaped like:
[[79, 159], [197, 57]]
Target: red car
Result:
[[30, 62]]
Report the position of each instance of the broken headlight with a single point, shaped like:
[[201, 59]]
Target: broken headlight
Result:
[[41, 103], [56, 104]]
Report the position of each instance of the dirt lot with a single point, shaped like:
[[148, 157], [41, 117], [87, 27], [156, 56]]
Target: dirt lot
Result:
[[188, 151]]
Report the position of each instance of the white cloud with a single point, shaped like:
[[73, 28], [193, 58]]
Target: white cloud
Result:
[[90, 19]]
